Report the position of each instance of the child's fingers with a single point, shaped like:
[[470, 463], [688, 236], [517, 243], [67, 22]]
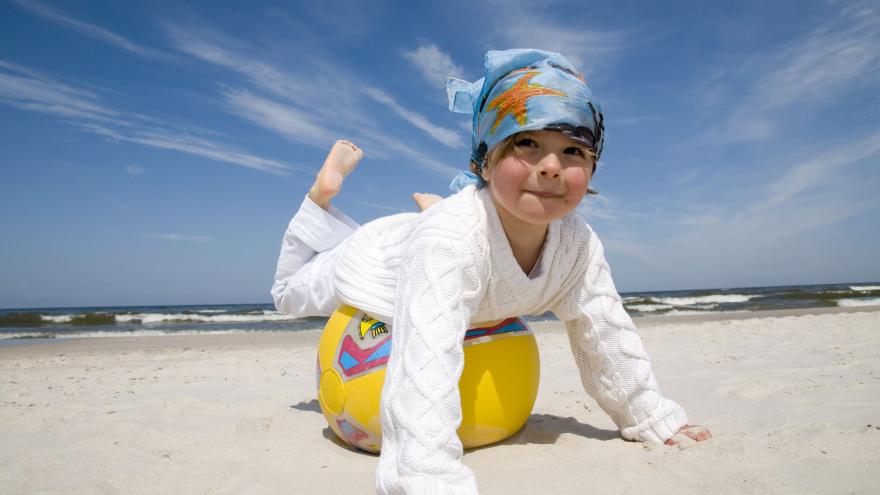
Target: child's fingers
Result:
[[696, 432], [699, 436], [687, 433]]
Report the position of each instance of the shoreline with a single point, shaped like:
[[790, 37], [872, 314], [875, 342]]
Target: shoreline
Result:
[[310, 337]]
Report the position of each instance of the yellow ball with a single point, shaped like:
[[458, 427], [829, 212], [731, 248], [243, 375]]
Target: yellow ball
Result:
[[498, 385]]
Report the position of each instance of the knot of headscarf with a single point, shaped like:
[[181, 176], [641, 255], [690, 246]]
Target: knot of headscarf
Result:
[[525, 90]]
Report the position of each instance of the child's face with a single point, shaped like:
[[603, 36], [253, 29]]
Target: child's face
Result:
[[541, 179]]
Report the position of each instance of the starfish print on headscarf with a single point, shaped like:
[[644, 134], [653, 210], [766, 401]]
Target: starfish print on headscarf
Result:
[[513, 100]]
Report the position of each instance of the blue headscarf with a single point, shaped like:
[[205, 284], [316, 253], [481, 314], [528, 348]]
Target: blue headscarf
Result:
[[525, 90]]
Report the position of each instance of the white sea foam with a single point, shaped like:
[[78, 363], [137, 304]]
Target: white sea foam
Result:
[[714, 298], [56, 318], [647, 308], [137, 333], [864, 287], [705, 306], [862, 301], [147, 318]]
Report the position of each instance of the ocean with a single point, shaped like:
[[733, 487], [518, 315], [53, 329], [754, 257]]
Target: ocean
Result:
[[85, 322]]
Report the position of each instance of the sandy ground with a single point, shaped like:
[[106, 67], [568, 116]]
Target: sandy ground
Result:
[[792, 398]]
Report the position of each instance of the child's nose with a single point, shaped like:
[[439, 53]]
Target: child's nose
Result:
[[549, 166]]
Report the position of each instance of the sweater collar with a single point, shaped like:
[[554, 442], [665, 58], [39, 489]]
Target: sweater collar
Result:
[[502, 253]]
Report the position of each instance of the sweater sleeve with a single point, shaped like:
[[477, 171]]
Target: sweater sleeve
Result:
[[302, 284], [615, 369], [421, 407]]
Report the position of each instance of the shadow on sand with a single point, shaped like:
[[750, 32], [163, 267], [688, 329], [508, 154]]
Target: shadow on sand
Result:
[[543, 429]]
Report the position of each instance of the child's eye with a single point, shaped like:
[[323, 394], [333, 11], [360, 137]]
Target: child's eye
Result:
[[574, 150], [526, 142]]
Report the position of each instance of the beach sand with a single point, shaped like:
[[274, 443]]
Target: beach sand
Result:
[[792, 399]]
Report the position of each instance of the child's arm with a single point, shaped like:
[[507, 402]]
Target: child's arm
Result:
[[421, 406], [614, 366]]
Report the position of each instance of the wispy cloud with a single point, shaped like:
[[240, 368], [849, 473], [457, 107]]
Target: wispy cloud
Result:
[[689, 176], [383, 207], [791, 212], [178, 237], [811, 71], [134, 170], [91, 30], [292, 123], [316, 86], [192, 145], [521, 23], [811, 174], [316, 92], [388, 146], [450, 138], [800, 200], [26, 89], [434, 64], [599, 207]]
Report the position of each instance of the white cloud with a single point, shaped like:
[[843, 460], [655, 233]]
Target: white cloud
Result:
[[192, 145], [316, 86], [134, 170], [92, 31], [434, 64], [446, 136], [800, 200], [812, 173], [781, 226], [811, 71], [520, 23], [26, 89], [821, 63], [287, 121], [383, 207], [599, 207], [388, 146], [319, 91]]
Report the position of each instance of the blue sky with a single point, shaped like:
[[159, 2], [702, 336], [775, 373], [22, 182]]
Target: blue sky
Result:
[[153, 152]]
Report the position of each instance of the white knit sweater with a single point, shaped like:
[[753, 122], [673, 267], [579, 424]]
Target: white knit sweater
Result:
[[432, 275]]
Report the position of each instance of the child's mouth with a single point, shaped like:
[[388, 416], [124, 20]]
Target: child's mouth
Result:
[[544, 194]]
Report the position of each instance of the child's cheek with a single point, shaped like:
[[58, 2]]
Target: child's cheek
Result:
[[578, 180]]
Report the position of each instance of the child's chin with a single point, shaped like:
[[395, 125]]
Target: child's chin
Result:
[[540, 216]]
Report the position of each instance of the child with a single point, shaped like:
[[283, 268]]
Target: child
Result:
[[507, 244]]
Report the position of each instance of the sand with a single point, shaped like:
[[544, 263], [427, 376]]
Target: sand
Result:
[[792, 399]]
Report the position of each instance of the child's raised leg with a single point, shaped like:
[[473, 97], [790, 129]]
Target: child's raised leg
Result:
[[304, 275], [342, 159]]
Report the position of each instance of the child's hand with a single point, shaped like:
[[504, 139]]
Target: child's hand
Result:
[[690, 433]]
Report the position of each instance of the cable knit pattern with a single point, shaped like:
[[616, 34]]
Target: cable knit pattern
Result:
[[421, 407], [614, 366], [432, 275]]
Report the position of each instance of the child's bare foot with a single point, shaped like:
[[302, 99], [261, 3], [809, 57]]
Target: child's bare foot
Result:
[[689, 434], [342, 159], [425, 200]]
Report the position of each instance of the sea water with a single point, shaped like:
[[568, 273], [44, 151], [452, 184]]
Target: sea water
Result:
[[50, 323]]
